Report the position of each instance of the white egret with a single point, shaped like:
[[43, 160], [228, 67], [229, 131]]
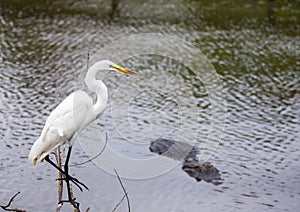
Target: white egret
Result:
[[70, 117]]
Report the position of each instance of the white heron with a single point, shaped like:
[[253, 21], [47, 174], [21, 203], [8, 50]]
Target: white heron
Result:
[[70, 117]]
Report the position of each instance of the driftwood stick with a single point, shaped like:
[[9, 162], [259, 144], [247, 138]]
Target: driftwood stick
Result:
[[8, 208]]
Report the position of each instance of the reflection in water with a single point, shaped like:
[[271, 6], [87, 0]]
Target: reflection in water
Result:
[[191, 165]]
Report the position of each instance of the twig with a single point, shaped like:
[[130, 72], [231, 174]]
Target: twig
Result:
[[117, 205], [92, 158], [76, 209], [60, 182], [87, 60], [124, 190], [59, 155], [87, 66], [7, 208]]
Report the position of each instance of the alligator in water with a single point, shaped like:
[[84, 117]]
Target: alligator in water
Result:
[[200, 170]]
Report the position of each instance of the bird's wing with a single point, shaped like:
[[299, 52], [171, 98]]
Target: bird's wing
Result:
[[77, 102]]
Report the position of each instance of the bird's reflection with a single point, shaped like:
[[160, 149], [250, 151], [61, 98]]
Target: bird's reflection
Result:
[[200, 170]]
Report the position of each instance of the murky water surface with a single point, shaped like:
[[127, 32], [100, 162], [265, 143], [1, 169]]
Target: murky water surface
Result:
[[42, 58]]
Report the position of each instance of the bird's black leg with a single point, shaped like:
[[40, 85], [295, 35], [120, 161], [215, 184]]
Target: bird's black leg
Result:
[[66, 167], [74, 180]]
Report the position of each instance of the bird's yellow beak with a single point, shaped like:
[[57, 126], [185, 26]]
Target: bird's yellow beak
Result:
[[123, 70]]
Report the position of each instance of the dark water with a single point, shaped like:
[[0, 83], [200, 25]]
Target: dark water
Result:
[[42, 57]]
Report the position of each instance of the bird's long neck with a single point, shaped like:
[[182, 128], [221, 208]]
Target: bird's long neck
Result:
[[98, 87], [102, 97]]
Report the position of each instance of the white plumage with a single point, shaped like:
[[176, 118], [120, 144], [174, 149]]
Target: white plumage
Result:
[[74, 113]]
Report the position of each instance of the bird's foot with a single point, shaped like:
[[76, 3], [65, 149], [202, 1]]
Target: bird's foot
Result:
[[75, 181], [72, 201]]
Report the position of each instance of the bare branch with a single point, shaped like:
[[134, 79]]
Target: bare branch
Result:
[[87, 60], [7, 208], [87, 67], [117, 205], [76, 209], [58, 157], [124, 190]]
